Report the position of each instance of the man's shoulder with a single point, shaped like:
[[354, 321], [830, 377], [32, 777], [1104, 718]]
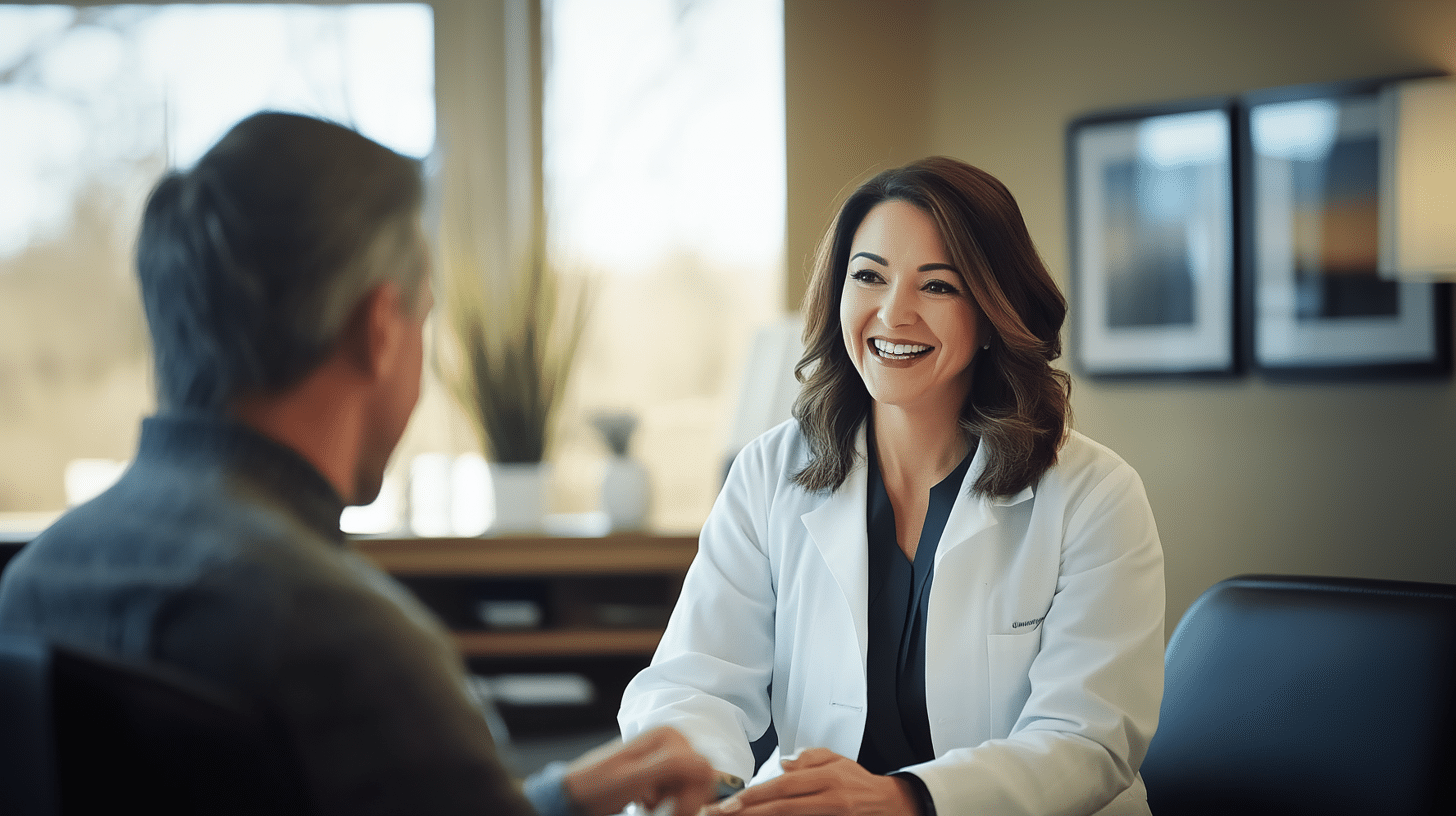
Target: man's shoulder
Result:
[[181, 527], [149, 556]]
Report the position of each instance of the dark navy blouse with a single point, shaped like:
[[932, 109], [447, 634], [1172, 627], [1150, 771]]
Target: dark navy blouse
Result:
[[897, 726]]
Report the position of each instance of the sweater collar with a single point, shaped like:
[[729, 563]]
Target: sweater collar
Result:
[[277, 471]]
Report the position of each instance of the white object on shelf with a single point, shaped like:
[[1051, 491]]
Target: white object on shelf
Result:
[[509, 614], [379, 517], [467, 496], [541, 689], [429, 495], [577, 525], [626, 493], [85, 479], [472, 503], [519, 490]]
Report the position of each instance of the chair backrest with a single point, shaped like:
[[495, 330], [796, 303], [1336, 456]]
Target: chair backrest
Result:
[[101, 735], [1300, 695], [28, 781]]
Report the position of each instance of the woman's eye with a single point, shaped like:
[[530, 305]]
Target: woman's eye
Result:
[[936, 287], [865, 276]]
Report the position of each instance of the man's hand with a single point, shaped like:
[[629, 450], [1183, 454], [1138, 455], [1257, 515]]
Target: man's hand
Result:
[[652, 768], [819, 782]]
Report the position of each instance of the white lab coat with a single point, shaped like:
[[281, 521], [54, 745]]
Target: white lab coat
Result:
[[1044, 632]]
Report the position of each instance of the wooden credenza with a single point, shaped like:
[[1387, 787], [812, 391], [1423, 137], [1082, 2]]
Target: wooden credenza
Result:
[[605, 597]]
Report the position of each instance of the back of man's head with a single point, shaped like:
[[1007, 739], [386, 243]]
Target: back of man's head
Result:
[[252, 262]]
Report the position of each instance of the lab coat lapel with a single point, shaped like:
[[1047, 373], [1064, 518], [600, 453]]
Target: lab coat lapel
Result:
[[838, 529], [957, 617], [972, 515]]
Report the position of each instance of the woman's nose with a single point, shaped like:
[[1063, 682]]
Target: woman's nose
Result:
[[896, 307]]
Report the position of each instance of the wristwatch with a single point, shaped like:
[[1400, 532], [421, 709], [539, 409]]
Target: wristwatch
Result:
[[728, 784]]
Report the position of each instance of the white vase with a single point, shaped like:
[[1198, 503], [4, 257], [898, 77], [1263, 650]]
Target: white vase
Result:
[[626, 493], [519, 493]]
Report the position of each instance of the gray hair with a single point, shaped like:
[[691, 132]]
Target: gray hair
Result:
[[252, 263]]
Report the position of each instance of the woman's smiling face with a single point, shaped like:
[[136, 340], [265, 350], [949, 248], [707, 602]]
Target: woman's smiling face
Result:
[[910, 325]]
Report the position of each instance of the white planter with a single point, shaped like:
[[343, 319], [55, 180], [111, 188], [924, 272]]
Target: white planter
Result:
[[518, 491], [626, 493], [430, 495]]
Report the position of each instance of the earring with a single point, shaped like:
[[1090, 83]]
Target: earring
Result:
[[986, 347]]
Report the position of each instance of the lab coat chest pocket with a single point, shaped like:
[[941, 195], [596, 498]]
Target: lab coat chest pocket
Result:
[[1008, 663], [847, 691]]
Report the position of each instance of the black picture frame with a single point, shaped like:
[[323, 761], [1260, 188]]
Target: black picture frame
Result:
[[1315, 304], [1152, 216]]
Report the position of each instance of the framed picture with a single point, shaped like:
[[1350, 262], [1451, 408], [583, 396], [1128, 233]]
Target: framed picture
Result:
[[1152, 221], [1153, 241], [1317, 306]]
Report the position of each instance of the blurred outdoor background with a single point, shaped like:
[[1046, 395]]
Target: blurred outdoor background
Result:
[[662, 140]]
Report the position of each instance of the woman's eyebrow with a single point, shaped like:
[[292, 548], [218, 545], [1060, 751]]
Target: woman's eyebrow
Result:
[[930, 267]]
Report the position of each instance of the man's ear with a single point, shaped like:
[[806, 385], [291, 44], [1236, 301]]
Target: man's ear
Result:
[[372, 338]]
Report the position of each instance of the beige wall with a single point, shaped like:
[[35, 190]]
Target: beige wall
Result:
[[857, 100], [1245, 475]]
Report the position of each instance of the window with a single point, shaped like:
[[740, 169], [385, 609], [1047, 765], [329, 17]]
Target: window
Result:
[[664, 184], [95, 103], [663, 144]]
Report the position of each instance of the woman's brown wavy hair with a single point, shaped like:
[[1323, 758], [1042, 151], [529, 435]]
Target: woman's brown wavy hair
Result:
[[1018, 406]]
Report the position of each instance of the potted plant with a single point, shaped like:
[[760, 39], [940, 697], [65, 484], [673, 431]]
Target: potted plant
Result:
[[511, 342]]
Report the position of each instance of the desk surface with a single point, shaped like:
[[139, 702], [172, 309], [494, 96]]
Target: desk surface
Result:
[[626, 553], [531, 555]]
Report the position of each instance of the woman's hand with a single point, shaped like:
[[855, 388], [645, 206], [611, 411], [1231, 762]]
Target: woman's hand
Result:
[[819, 782]]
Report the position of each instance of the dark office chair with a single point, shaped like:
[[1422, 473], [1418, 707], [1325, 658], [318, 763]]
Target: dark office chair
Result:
[[1323, 696], [81, 733]]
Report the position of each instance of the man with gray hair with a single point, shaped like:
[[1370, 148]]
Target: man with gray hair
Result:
[[286, 284]]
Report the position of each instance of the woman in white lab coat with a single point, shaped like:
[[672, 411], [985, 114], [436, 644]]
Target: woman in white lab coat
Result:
[[941, 597]]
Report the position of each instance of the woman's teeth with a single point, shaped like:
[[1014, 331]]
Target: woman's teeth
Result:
[[898, 351]]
